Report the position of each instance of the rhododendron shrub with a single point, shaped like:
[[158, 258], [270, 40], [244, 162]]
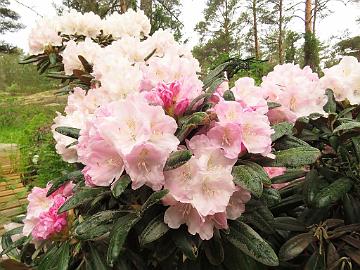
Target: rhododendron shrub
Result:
[[174, 171]]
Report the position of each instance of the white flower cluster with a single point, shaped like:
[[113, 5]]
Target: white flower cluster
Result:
[[49, 31]]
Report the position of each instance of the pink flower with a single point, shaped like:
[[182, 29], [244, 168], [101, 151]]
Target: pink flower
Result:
[[103, 162], [229, 111], [274, 171], [228, 137], [297, 90], [50, 222], [145, 164], [237, 203], [249, 95]]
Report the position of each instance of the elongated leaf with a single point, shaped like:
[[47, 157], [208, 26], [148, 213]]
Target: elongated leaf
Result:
[[289, 224], [68, 131], [288, 176], [50, 258], [120, 185], [87, 66], [6, 242], [153, 199], [214, 249], [295, 157], [185, 243], [281, 129], [330, 106], [316, 261], [351, 207], [295, 246], [177, 159], [91, 223], [251, 243], [118, 236], [289, 141], [250, 176], [332, 193], [313, 184], [64, 257], [273, 105], [14, 245], [347, 127], [261, 219], [270, 196], [356, 144], [154, 230], [80, 197], [58, 182], [52, 58], [95, 260]]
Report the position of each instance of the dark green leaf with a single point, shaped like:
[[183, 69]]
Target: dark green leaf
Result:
[[229, 95], [313, 184], [80, 197], [250, 176], [95, 261], [295, 246], [58, 182], [273, 105], [251, 243], [295, 157], [120, 185], [14, 245], [87, 66], [350, 126], [270, 196], [154, 230], [68, 131], [332, 193], [356, 143], [185, 243], [118, 236], [289, 175], [330, 106], [351, 207], [288, 224], [214, 249], [64, 256], [153, 199], [177, 159], [91, 224], [260, 218], [316, 261], [281, 129], [289, 141], [52, 58]]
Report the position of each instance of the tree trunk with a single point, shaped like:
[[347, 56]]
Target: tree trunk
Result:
[[308, 16], [280, 41], [314, 17], [123, 6], [308, 48], [256, 39], [146, 6]]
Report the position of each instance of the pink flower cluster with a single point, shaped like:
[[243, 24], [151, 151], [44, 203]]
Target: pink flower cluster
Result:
[[42, 220], [129, 134], [297, 90], [202, 193]]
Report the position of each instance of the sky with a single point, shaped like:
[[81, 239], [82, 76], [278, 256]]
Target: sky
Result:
[[341, 20]]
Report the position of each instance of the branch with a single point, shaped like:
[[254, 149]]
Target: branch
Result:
[[30, 8], [168, 10]]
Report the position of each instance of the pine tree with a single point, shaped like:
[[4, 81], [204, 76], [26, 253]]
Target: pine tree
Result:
[[8, 18], [218, 31]]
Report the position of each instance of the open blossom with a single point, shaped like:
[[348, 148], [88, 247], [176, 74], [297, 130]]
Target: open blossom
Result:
[[75, 23], [42, 219], [253, 129], [131, 23], [297, 90], [128, 134], [249, 95], [44, 34], [344, 80], [201, 192], [63, 145], [87, 49]]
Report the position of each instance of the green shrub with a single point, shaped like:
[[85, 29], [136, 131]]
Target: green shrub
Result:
[[21, 79]]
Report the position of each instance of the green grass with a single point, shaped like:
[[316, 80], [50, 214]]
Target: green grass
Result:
[[29, 127]]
